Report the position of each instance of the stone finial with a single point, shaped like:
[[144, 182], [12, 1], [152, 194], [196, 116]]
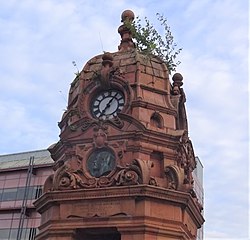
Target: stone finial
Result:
[[107, 59], [126, 35], [107, 63], [127, 15], [177, 83]]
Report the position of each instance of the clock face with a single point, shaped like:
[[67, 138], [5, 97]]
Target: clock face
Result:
[[101, 162], [107, 104]]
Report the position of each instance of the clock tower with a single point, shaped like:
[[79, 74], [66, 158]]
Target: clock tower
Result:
[[124, 161]]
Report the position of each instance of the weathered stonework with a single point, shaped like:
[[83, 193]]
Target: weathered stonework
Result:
[[130, 175]]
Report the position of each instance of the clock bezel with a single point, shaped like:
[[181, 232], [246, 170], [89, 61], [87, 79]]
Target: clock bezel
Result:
[[110, 98], [85, 98]]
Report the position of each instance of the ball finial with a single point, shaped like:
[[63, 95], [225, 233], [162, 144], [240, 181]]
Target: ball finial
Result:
[[177, 78], [127, 15], [177, 83]]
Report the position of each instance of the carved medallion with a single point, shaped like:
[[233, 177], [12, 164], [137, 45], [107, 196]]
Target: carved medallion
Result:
[[101, 162]]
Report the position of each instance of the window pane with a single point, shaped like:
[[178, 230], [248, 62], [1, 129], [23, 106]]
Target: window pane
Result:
[[26, 192], [4, 233], [32, 233], [13, 234], [30, 192], [20, 193], [24, 232], [1, 194], [9, 194], [38, 192]]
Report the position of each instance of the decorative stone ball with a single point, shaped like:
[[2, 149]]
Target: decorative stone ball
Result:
[[128, 15], [107, 56], [177, 78]]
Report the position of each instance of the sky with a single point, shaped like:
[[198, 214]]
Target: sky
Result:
[[40, 39]]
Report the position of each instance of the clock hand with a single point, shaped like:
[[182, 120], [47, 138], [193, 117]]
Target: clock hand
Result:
[[108, 105]]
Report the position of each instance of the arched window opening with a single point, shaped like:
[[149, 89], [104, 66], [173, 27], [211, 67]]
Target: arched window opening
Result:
[[156, 120]]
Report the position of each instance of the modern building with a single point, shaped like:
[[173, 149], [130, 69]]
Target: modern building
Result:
[[22, 177], [199, 190]]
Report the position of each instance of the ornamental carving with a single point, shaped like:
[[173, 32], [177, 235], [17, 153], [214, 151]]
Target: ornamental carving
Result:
[[107, 63], [86, 123], [100, 136], [186, 161], [66, 178], [172, 177], [116, 121], [178, 100]]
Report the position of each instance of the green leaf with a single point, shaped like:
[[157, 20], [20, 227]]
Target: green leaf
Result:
[[149, 41]]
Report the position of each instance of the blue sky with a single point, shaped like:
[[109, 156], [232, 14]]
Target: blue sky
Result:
[[40, 39]]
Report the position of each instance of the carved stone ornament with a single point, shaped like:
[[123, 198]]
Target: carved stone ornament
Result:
[[83, 123], [100, 136], [186, 160], [86, 123], [177, 83], [108, 71], [101, 162], [107, 63], [117, 122], [67, 179], [138, 172], [172, 177]]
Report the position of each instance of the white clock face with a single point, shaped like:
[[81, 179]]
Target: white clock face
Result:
[[107, 104]]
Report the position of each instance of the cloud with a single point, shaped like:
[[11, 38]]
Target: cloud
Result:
[[218, 126], [22, 128], [40, 39], [215, 81]]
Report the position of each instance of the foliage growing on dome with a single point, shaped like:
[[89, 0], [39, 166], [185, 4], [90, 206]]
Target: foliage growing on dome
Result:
[[149, 41]]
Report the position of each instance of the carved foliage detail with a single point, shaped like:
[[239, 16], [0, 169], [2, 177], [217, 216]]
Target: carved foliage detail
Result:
[[116, 121], [172, 177], [83, 123], [186, 161], [66, 178]]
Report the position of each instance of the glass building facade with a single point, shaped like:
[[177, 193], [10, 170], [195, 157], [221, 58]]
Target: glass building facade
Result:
[[198, 188], [21, 179]]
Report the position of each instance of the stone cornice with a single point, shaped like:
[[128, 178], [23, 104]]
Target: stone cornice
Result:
[[139, 192], [140, 103]]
